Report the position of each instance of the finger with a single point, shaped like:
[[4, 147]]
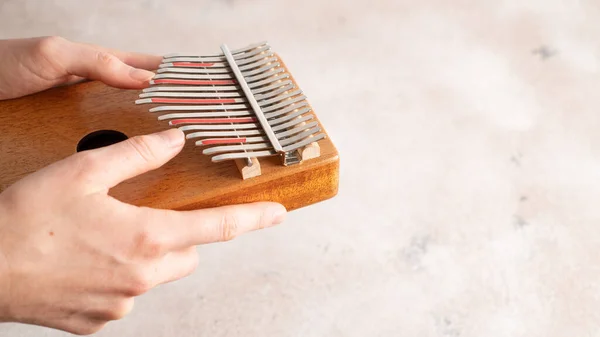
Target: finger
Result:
[[108, 166], [136, 60], [177, 230], [96, 64]]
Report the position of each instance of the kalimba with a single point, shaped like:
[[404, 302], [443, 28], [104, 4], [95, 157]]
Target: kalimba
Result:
[[251, 134]]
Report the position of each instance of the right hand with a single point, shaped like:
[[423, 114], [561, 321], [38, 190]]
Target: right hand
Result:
[[73, 258]]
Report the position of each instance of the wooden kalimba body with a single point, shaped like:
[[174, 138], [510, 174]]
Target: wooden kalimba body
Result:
[[251, 133]]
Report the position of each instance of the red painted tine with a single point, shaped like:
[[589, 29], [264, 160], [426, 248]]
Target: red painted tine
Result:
[[222, 141], [195, 82], [192, 64], [194, 100]]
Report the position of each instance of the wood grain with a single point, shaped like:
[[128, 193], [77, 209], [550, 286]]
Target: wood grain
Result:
[[38, 130]]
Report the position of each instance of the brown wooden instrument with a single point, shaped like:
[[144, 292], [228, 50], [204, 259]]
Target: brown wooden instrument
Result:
[[252, 136]]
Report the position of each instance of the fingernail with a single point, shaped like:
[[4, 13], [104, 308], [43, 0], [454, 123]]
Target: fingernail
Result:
[[172, 137], [141, 74], [279, 214]]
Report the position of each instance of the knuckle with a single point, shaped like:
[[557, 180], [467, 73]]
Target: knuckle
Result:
[[48, 45], [86, 160], [143, 148], [148, 245], [84, 165], [228, 226], [138, 284], [105, 59], [119, 310]]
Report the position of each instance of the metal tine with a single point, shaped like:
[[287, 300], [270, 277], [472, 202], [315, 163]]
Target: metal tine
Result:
[[304, 142], [196, 62], [242, 155], [233, 148], [193, 76], [261, 70], [271, 87], [190, 94], [296, 130], [290, 116], [283, 104], [279, 77], [241, 113], [250, 50], [253, 59], [246, 140], [287, 109], [241, 133], [303, 134], [288, 141], [274, 93], [219, 126], [230, 100], [203, 70], [258, 64], [264, 75], [279, 98], [291, 123], [198, 107], [192, 88]]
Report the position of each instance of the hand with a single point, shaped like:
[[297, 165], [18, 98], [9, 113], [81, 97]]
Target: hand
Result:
[[31, 65], [73, 258]]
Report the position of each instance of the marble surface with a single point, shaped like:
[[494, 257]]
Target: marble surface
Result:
[[470, 177]]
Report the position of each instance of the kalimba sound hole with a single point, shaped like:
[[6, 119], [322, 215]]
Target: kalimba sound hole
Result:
[[99, 139]]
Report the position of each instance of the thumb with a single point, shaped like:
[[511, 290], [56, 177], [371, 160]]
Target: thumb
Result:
[[113, 164]]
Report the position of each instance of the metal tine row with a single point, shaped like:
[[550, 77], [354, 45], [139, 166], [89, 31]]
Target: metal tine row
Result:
[[278, 82], [301, 134], [237, 113], [203, 70], [232, 103], [208, 140], [277, 90], [278, 124], [289, 148], [204, 76], [260, 146], [227, 121], [254, 76], [212, 68], [238, 53], [294, 131]]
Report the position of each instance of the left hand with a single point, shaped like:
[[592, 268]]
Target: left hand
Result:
[[31, 65]]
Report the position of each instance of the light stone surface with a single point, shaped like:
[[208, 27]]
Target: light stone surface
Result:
[[470, 176]]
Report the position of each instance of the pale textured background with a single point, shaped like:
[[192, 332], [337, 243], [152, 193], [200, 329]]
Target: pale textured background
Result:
[[470, 176]]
